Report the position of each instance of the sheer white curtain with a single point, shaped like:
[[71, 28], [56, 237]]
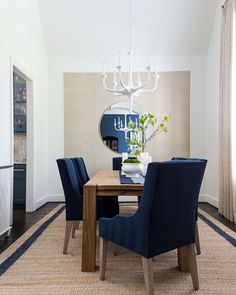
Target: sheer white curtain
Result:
[[227, 112]]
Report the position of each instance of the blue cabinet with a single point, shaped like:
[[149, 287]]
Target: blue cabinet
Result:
[[19, 193]]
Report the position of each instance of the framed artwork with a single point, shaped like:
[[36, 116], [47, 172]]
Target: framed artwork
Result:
[[19, 97], [111, 142]]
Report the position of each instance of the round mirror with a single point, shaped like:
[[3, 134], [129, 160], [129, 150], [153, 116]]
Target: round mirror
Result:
[[114, 122]]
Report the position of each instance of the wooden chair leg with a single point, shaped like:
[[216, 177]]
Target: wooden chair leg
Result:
[[148, 275], [74, 226], [197, 240], [67, 235], [78, 222], [103, 256], [183, 259], [193, 265], [115, 249]]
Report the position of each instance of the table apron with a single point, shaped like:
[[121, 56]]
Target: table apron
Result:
[[119, 193]]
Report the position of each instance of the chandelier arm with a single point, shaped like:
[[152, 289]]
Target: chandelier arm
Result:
[[121, 92], [121, 81], [123, 85], [154, 87], [140, 88], [146, 83], [116, 92]]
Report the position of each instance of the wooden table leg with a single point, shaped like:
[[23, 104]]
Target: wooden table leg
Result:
[[183, 259], [89, 229]]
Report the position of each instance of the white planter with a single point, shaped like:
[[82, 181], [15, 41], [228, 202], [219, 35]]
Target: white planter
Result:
[[132, 169]]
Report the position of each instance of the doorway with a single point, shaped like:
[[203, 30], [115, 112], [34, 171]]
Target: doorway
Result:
[[22, 141]]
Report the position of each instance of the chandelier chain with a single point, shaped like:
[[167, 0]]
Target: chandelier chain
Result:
[[130, 25]]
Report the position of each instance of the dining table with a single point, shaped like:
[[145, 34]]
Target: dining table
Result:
[[106, 184]]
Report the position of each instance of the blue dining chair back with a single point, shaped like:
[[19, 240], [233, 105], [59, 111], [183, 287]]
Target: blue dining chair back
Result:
[[169, 204], [73, 197], [81, 168], [188, 159], [116, 163], [197, 238], [165, 219]]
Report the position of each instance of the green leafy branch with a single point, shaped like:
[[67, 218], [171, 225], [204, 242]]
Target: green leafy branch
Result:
[[138, 138]]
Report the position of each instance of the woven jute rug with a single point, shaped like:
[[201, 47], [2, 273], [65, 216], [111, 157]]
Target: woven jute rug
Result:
[[34, 264]]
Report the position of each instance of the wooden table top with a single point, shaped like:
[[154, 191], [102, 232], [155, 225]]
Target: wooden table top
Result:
[[110, 180]]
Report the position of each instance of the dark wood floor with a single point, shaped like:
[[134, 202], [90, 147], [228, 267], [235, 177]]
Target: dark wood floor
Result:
[[23, 221], [214, 213]]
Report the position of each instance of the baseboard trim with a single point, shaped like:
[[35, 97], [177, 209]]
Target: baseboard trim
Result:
[[209, 199], [202, 198], [129, 199], [60, 198], [56, 198], [49, 198]]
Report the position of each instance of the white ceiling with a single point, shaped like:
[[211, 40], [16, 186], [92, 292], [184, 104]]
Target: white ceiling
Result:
[[100, 27]]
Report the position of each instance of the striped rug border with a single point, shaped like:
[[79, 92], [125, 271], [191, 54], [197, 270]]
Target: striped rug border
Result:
[[218, 230], [7, 263]]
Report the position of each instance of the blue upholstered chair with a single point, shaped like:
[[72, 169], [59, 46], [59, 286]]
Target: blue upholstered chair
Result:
[[164, 221], [72, 186], [197, 239]]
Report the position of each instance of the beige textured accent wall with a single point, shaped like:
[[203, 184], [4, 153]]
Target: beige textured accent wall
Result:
[[85, 100]]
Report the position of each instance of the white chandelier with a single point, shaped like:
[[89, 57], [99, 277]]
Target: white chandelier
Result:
[[131, 88]]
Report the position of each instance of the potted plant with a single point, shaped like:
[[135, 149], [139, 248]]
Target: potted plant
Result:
[[146, 129]]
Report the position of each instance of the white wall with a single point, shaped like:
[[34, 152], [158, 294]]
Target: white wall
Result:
[[59, 64], [212, 109], [22, 39]]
